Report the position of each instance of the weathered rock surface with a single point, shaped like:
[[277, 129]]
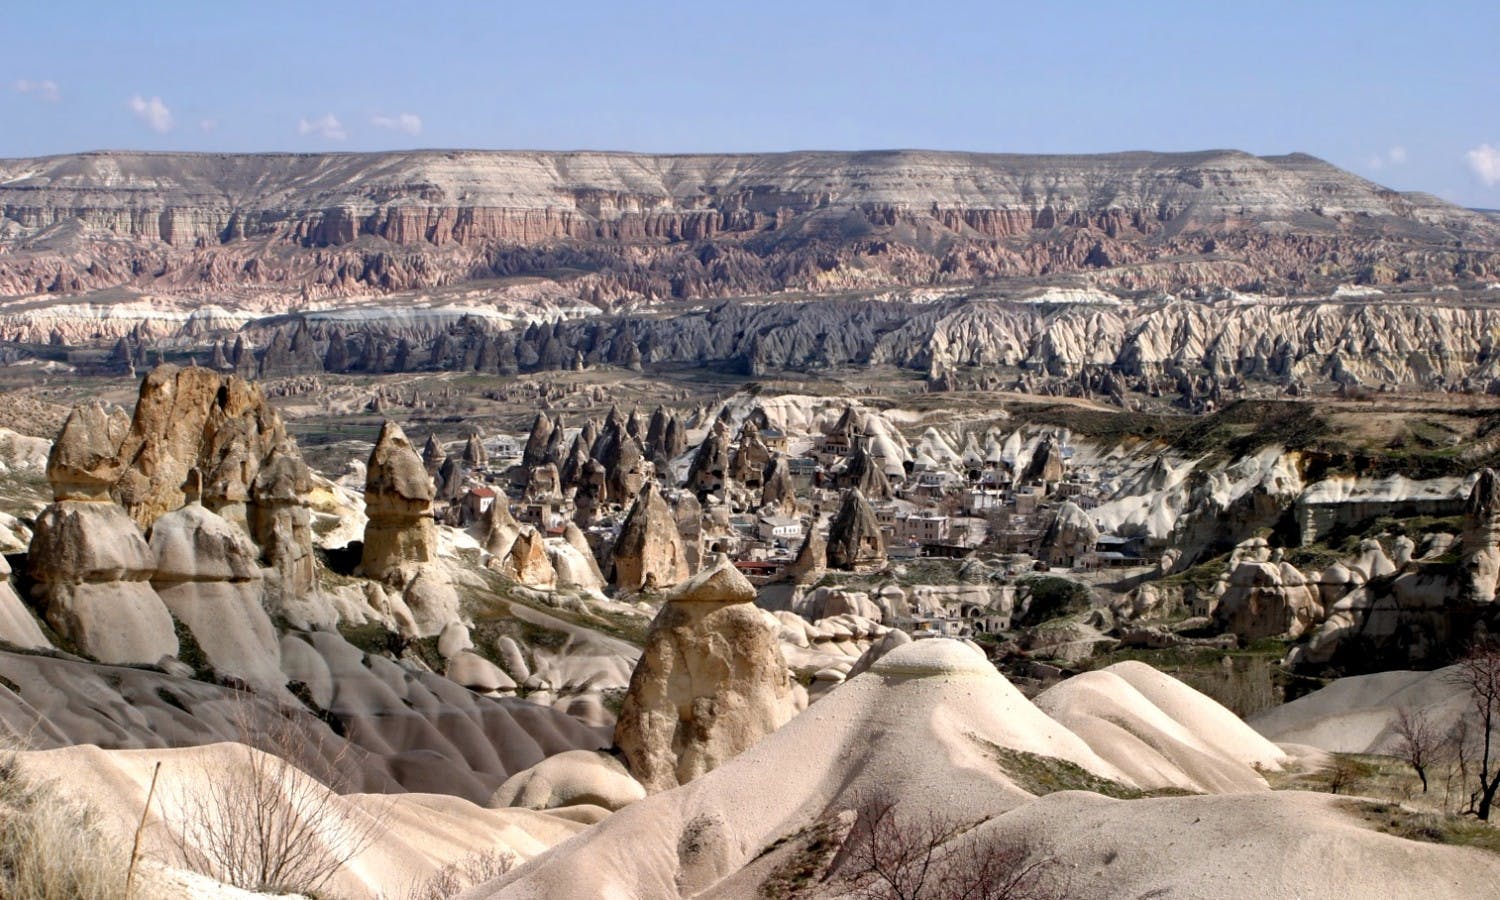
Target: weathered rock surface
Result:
[[571, 778], [17, 626], [710, 682]]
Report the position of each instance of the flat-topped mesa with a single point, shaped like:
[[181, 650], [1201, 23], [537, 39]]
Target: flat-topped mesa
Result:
[[649, 552], [710, 682], [398, 502], [348, 224], [855, 542]]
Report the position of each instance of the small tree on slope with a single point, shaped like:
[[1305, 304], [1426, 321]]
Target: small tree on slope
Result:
[[1479, 672]]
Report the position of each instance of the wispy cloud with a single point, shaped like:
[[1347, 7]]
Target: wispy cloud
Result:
[[46, 90], [153, 112], [1485, 161], [208, 126], [406, 123], [1392, 157], [327, 127]]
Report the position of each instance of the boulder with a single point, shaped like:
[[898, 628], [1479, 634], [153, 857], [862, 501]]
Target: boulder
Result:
[[710, 682], [571, 778]]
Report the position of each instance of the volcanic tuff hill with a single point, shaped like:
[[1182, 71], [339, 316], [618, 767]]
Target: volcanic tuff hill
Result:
[[271, 231]]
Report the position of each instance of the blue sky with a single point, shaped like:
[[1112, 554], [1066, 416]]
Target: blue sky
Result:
[[1407, 94]]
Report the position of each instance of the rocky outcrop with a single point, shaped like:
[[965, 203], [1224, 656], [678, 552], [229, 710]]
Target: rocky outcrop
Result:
[[710, 467], [398, 502], [649, 552], [527, 560], [811, 560], [711, 681], [855, 543], [1267, 599], [1480, 542]]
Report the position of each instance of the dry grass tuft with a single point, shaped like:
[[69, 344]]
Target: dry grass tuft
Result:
[[52, 848]]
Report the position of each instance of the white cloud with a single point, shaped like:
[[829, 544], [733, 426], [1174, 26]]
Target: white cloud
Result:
[[1392, 157], [407, 123], [327, 127], [153, 112], [208, 126], [1485, 161], [42, 90]]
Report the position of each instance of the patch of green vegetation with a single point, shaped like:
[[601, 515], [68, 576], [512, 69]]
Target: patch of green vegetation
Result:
[[1041, 775], [1053, 597], [815, 847], [190, 653], [1431, 828], [171, 699], [371, 637]]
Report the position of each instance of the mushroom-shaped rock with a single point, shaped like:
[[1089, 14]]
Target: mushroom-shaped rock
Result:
[[649, 553], [571, 778], [398, 501], [854, 540], [281, 522], [1046, 463], [207, 575], [710, 682], [92, 566]]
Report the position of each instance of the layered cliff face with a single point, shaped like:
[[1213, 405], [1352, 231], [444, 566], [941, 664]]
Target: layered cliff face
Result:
[[273, 230]]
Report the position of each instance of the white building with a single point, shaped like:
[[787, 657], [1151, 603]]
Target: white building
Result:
[[780, 528]]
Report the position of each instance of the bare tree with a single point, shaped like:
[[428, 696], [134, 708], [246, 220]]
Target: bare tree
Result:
[[1479, 673], [1417, 741], [262, 823], [462, 874], [890, 855]]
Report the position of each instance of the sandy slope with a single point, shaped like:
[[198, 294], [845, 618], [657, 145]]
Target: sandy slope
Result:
[[1357, 714], [925, 721], [416, 835]]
